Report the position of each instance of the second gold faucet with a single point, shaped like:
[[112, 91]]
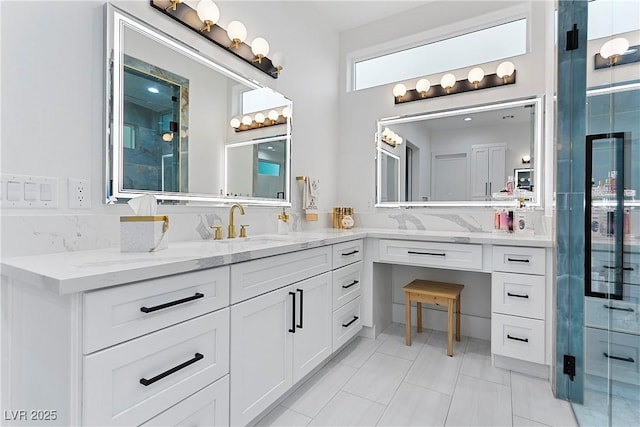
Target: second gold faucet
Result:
[[231, 234]]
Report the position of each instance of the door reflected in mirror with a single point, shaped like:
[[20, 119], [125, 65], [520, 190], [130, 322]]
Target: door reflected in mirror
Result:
[[462, 157], [389, 172], [170, 114]]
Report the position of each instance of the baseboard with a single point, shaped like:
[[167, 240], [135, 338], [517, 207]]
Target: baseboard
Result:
[[522, 366]]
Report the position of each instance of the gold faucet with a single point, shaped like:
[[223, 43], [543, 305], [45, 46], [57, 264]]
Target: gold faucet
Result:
[[232, 229]]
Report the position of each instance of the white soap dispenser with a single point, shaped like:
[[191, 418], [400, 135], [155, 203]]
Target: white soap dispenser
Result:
[[283, 223]]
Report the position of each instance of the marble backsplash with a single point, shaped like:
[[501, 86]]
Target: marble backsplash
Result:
[[41, 234]]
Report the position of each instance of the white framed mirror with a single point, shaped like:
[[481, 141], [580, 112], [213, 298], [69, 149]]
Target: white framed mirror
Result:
[[463, 157], [169, 122]]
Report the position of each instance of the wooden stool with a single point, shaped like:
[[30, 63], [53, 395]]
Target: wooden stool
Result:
[[438, 293]]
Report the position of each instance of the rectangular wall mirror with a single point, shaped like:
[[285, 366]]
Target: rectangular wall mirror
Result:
[[169, 123], [462, 157]]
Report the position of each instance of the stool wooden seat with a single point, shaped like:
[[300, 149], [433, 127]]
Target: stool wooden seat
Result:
[[437, 293]]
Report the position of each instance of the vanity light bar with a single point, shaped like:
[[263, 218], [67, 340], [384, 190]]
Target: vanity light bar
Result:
[[188, 17], [476, 80], [260, 120]]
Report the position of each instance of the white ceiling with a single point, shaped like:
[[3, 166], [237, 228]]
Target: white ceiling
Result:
[[348, 14]]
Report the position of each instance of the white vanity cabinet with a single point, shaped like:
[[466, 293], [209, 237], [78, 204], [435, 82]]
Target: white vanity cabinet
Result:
[[347, 288], [280, 336], [120, 355], [518, 303]]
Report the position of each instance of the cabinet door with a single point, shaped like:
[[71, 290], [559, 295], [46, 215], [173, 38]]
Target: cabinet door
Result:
[[312, 339], [479, 173], [497, 168], [261, 351]]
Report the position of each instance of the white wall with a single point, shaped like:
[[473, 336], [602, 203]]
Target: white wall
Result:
[[53, 104], [436, 19]]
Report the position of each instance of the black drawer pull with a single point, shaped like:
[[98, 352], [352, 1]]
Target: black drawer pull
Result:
[[611, 307], [624, 359], [517, 295], [293, 314], [517, 260], [355, 282], [198, 295], [517, 339], [613, 268], [145, 382], [350, 253], [426, 253], [299, 325], [346, 325]]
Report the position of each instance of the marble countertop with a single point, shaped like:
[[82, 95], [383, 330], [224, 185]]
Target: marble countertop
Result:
[[70, 272]]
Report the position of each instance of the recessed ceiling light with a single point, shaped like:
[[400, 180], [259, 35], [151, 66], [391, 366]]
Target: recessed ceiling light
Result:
[[468, 119], [269, 148], [153, 90]]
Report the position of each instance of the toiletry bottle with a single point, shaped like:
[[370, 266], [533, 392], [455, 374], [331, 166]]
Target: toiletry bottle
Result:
[[496, 220], [626, 227], [504, 223], [347, 218], [612, 181], [283, 223], [509, 185]]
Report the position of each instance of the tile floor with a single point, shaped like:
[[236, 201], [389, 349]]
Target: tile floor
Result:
[[383, 382]]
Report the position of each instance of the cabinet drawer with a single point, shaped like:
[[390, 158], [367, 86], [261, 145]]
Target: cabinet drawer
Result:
[[615, 315], [346, 284], [174, 362], [513, 259], [117, 314], [613, 354], [603, 267], [208, 407], [347, 323], [346, 253], [260, 276], [517, 337], [518, 294], [432, 254]]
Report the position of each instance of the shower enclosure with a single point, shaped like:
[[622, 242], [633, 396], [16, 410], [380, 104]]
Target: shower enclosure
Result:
[[598, 214]]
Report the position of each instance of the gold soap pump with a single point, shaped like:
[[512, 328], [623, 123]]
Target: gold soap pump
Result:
[[283, 222]]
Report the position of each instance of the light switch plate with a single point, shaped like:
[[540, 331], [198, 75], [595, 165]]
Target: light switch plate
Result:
[[28, 191]]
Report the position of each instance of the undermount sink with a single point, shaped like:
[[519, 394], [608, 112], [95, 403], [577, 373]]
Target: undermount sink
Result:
[[253, 241]]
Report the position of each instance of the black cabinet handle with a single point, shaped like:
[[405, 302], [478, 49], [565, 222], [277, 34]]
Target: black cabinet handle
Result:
[[426, 253], [355, 282], [293, 314], [517, 339], [299, 325], [611, 307], [613, 268], [346, 325], [145, 382], [624, 359], [350, 253], [198, 295], [517, 260], [517, 295]]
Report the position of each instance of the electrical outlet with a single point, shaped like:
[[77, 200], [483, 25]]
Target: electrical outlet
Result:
[[79, 194]]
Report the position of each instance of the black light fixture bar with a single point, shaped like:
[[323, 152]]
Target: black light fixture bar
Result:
[[489, 81], [632, 55], [188, 17]]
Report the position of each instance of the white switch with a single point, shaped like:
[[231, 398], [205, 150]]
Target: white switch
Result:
[[31, 191], [14, 191], [46, 195]]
